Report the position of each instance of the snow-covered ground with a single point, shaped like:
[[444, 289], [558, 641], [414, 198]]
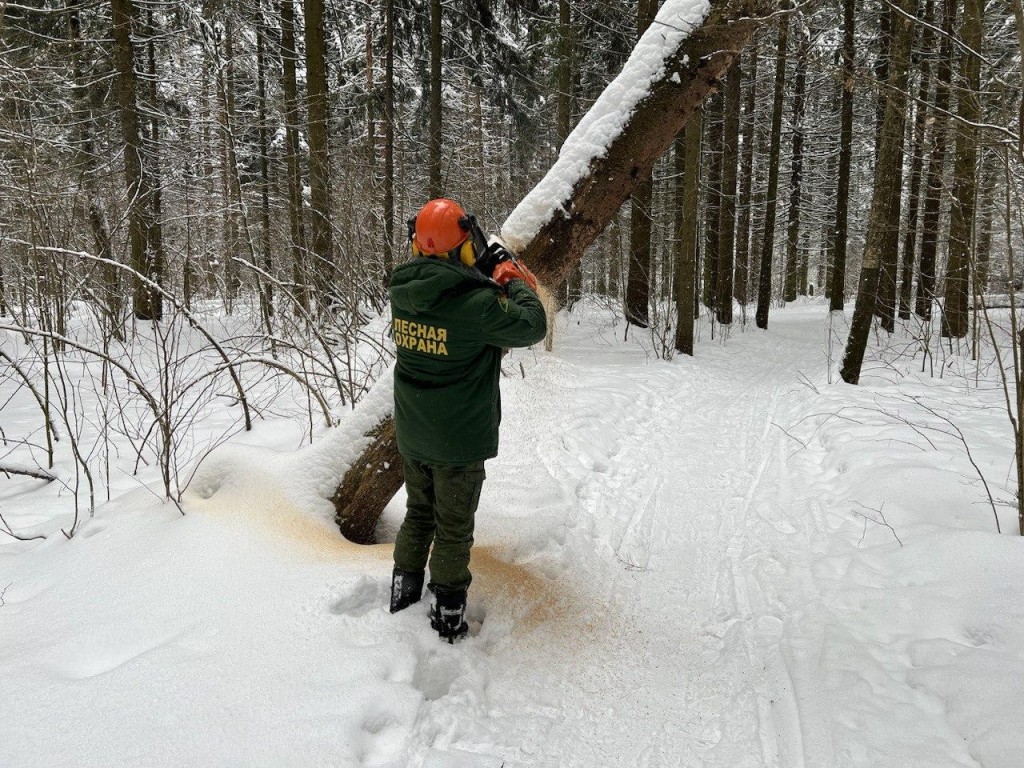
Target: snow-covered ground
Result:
[[719, 561]]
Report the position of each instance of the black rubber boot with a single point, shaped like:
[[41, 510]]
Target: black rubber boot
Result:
[[448, 613], [406, 589]]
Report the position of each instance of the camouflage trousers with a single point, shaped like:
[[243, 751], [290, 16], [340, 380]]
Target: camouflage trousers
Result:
[[440, 510]]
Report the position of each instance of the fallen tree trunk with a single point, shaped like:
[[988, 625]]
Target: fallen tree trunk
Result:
[[675, 66]]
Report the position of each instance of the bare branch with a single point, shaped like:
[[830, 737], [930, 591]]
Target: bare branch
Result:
[[10, 532], [38, 474]]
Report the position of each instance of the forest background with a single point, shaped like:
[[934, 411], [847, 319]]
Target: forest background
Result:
[[200, 203]]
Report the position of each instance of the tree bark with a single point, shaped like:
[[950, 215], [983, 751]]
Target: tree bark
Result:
[[989, 176], [687, 201], [955, 322], [885, 305], [86, 156], [371, 112], [916, 169], [564, 72], [689, 74], [435, 187], [727, 212], [638, 281], [764, 282], [389, 135], [930, 223], [289, 87], [147, 303], [885, 193], [266, 288], [638, 276], [1018, 15], [741, 279], [837, 285], [883, 55], [318, 116], [714, 129], [151, 158], [574, 285], [796, 169], [231, 195]]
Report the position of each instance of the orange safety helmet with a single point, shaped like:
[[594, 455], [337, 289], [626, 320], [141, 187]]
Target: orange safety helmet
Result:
[[438, 228]]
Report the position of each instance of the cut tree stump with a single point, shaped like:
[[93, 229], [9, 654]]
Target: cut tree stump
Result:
[[369, 484]]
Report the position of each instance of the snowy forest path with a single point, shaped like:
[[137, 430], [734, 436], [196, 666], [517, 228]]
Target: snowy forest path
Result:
[[676, 515], [674, 566]]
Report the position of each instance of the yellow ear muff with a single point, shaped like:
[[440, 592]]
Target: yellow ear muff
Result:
[[467, 253], [414, 247]]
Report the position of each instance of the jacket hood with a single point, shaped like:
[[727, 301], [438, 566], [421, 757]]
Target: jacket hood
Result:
[[424, 283]]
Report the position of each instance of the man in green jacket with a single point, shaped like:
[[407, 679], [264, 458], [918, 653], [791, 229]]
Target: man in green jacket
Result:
[[456, 306]]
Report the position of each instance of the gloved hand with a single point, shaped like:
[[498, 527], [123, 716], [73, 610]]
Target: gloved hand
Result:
[[513, 270], [493, 256]]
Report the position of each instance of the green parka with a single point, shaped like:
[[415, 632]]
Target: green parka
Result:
[[450, 325]]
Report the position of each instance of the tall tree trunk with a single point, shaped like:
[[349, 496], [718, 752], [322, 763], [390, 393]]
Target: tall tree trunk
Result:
[[564, 73], [885, 193], [741, 280], [638, 281], [435, 188], [266, 287], [88, 160], [687, 202], [796, 172], [837, 285], [231, 196], [882, 68], [690, 72], [293, 164], [574, 285], [930, 222], [827, 244], [764, 283], [727, 212], [389, 135], [318, 118], [371, 112], [146, 302], [916, 168], [989, 175], [1018, 15], [202, 278], [955, 322], [885, 305], [155, 237], [638, 278], [714, 128]]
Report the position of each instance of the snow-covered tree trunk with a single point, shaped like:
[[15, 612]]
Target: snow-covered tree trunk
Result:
[[673, 68]]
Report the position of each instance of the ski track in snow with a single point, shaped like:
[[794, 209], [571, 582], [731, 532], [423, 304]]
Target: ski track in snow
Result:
[[656, 583], [623, 445]]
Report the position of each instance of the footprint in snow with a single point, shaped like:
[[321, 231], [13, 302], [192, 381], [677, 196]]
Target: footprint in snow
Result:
[[362, 597], [436, 673]]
